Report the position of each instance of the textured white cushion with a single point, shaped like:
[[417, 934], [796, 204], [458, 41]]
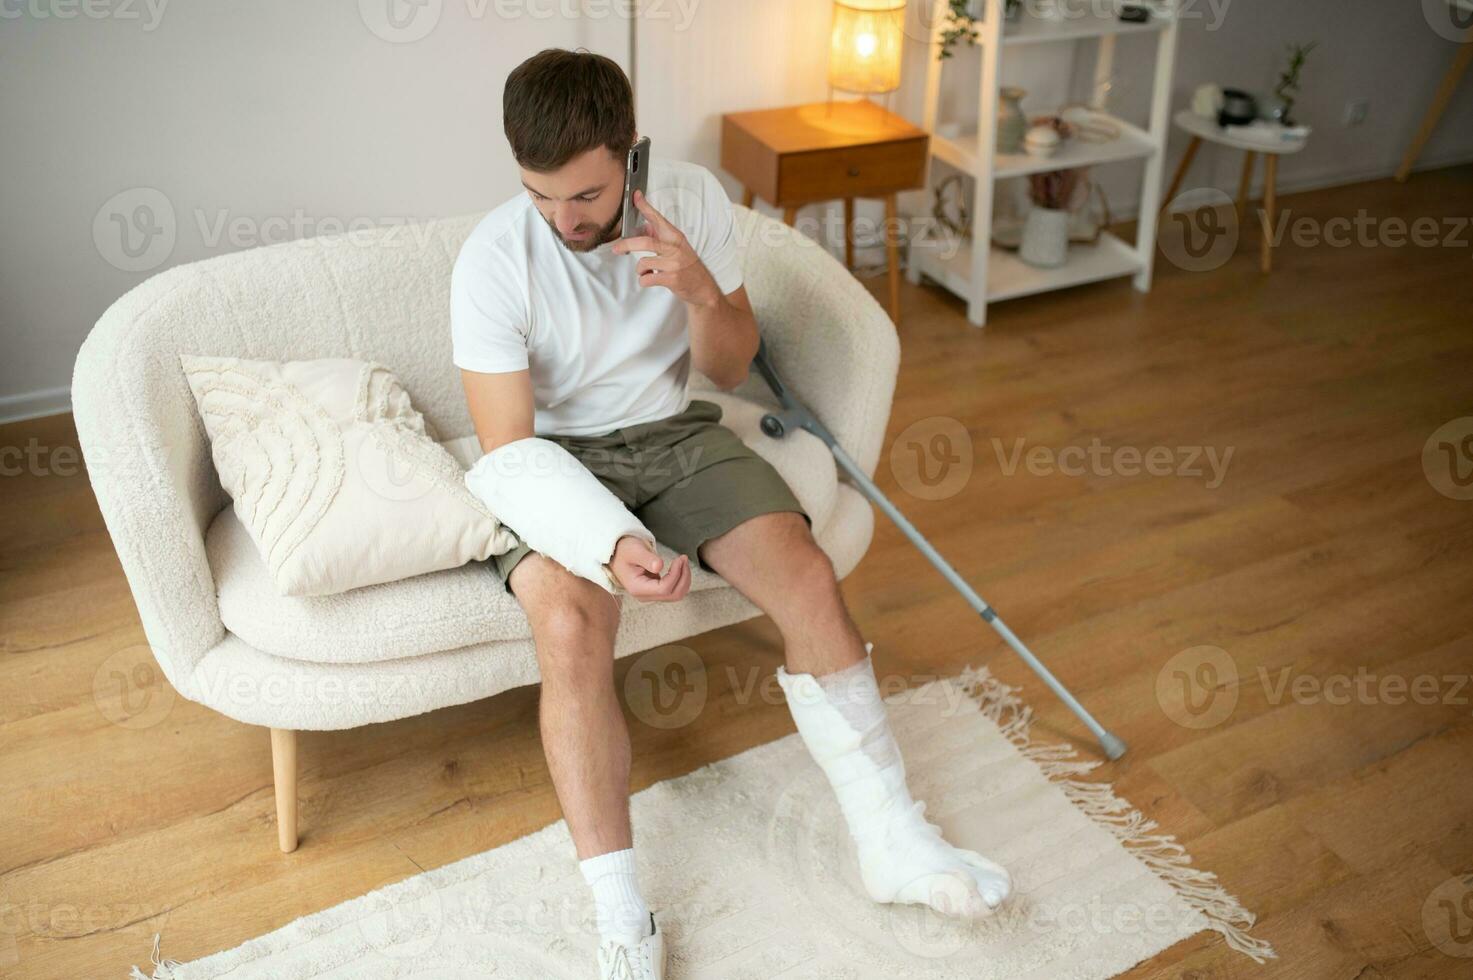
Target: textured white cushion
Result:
[[333, 476], [460, 606]]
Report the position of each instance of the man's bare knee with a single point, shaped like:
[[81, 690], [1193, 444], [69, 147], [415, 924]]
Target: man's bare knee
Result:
[[811, 574], [571, 617]]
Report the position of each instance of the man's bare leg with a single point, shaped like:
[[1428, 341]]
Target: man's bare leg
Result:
[[584, 735], [774, 561], [832, 692]]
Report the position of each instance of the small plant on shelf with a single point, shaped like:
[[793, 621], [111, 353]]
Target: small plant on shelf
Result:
[[1288, 88], [960, 26]]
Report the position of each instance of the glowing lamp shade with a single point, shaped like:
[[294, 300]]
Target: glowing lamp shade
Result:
[[864, 49]]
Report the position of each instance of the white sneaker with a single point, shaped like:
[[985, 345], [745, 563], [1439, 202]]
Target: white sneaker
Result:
[[644, 961]]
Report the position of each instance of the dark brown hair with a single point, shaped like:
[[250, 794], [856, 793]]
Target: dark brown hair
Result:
[[558, 104]]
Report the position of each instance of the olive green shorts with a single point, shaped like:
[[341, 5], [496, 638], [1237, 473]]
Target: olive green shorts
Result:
[[688, 478]]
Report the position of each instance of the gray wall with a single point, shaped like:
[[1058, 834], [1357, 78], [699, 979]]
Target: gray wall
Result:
[[235, 124]]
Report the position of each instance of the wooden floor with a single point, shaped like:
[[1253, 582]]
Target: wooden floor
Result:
[[1324, 552]]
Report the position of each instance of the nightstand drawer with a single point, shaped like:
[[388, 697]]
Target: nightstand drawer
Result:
[[827, 150], [857, 171]]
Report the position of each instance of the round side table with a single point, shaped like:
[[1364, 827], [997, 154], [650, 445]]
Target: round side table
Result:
[[1207, 129]]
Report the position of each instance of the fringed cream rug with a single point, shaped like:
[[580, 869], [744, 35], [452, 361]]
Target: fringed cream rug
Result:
[[751, 873]]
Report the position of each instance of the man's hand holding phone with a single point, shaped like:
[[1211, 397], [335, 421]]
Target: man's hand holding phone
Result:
[[674, 264], [637, 567]]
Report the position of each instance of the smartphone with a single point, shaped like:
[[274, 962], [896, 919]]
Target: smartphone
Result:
[[636, 178]]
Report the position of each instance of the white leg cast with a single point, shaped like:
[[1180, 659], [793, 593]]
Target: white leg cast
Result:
[[902, 856]]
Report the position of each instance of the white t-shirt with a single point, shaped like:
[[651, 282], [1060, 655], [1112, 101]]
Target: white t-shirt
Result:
[[603, 352]]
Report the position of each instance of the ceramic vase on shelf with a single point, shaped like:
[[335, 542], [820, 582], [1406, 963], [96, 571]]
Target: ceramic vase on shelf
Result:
[[1011, 123], [1045, 237]]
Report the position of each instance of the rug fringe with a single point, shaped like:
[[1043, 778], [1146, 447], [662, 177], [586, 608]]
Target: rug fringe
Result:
[[1161, 853], [162, 969]]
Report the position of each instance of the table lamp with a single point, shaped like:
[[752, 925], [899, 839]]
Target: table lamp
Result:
[[865, 45]]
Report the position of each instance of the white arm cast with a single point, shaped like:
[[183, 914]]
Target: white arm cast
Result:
[[542, 492]]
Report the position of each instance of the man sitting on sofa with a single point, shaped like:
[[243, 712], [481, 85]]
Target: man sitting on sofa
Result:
[[575, 354]]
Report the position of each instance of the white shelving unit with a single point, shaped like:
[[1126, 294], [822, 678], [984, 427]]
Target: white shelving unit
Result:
[[987, 275]]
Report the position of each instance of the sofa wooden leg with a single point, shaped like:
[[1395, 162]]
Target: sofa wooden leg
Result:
[[284, 772]]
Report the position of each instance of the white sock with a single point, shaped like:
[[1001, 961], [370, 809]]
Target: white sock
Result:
[[622, 912], [903, 858]]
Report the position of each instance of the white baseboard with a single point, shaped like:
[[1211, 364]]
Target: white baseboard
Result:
[[35, 404]]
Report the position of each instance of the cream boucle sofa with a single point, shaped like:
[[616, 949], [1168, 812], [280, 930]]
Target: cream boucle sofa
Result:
[[223, 637]]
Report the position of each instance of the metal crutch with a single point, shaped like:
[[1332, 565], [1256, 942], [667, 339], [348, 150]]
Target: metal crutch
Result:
[[796, 416]]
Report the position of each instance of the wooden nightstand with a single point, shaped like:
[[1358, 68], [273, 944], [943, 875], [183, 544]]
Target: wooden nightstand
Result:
[[804, 154]]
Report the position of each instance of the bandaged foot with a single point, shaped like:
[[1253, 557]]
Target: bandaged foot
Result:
[[902, 856]]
